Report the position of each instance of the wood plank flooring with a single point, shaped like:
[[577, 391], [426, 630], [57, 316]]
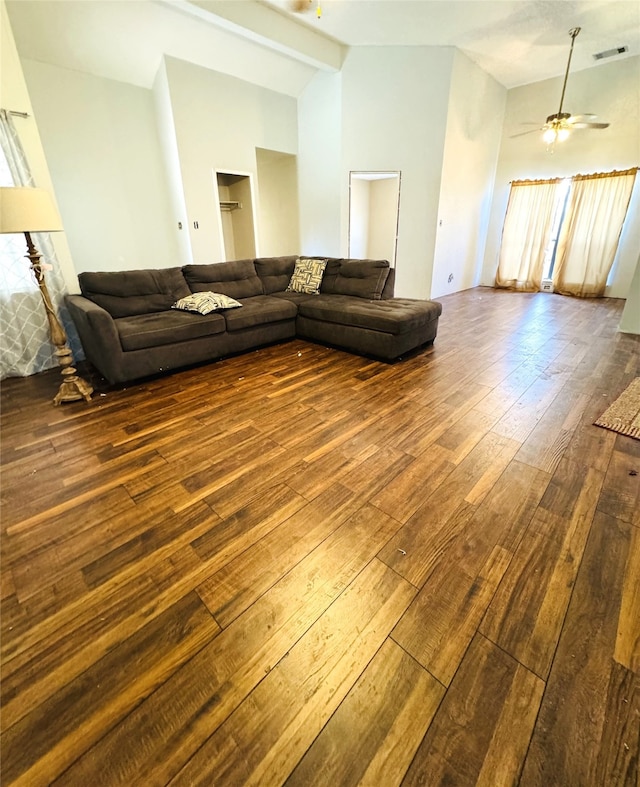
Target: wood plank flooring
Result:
[[303, 567]]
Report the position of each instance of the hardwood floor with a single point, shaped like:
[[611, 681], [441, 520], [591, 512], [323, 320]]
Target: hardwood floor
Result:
[[303, 567]]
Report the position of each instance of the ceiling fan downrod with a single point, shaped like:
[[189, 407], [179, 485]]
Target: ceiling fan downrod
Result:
[[573, 33]]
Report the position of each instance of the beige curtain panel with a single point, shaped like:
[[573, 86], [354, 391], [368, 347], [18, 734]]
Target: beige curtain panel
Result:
[[526, 234], [591, 231]]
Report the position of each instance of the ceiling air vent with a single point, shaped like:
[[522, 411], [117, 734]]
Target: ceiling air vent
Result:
[[618, 50]]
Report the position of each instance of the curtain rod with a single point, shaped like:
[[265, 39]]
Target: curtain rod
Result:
[[614, 173]]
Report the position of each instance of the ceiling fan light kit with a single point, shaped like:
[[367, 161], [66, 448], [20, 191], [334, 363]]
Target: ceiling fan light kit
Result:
[[555, 134]]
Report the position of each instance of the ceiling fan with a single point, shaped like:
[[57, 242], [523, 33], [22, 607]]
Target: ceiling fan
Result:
[[559, 125]]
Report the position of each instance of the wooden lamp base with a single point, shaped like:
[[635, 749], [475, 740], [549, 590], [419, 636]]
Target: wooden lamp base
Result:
[[72, 388]]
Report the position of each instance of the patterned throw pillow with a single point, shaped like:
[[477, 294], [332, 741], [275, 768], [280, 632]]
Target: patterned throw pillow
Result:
[[206, 302], [307, 276]]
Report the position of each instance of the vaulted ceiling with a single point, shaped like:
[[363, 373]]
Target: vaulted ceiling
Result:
[[515, 41]]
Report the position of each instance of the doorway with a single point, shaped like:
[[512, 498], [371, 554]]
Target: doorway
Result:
[[374, 202]]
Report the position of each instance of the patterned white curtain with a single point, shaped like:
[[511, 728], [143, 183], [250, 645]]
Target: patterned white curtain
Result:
[[589, 239], [526, 233], [25, 347]]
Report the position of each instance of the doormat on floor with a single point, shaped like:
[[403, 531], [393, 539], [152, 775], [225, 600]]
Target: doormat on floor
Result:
[[623, 415]]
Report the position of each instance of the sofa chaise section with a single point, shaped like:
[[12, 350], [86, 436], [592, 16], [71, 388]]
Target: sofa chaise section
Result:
[[356, 311], [385, 329]]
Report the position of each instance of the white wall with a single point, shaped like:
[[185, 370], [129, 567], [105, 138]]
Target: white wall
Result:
[[383, 222], [319, 173], [359, 212], [278, 203], [394, 114], [610, 90], [124, 40], [14, 95], [219, 122], [101, 144], [630, 321], [474, 123], [171, 160]]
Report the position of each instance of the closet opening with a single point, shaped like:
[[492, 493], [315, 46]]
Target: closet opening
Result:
[[236, 206]]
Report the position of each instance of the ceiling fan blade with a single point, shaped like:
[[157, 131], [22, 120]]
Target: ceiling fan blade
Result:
[[585, 116], [590, 125], [524, 133]]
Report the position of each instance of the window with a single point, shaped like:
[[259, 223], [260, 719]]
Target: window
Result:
[[566, 229], [24, 330], [15, 273], [559, 212]]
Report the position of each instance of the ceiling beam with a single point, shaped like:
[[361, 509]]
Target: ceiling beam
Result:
[[266, 27]]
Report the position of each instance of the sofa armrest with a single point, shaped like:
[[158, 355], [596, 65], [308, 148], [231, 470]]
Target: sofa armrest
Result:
[[98, 334]]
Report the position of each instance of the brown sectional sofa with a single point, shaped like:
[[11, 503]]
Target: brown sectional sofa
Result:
[[129, 330]]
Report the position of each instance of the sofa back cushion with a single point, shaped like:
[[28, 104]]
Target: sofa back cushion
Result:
[[362, 278], [128, 293], [389, 285], [237, 279], [275, 272], [330, 274]]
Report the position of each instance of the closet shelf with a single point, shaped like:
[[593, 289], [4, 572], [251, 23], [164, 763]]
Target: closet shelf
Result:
[[230, 205]]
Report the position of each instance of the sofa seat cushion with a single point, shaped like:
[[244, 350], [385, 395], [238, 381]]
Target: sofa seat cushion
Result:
[[261, 310], [236, 278], [128, 293], [292, 297], [169, 327], [395, 316]]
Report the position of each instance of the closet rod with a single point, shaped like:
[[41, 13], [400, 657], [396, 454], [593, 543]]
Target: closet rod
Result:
[[18, 114]]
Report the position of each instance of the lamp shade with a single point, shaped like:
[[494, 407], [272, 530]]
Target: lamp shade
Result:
[[26, 209]]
